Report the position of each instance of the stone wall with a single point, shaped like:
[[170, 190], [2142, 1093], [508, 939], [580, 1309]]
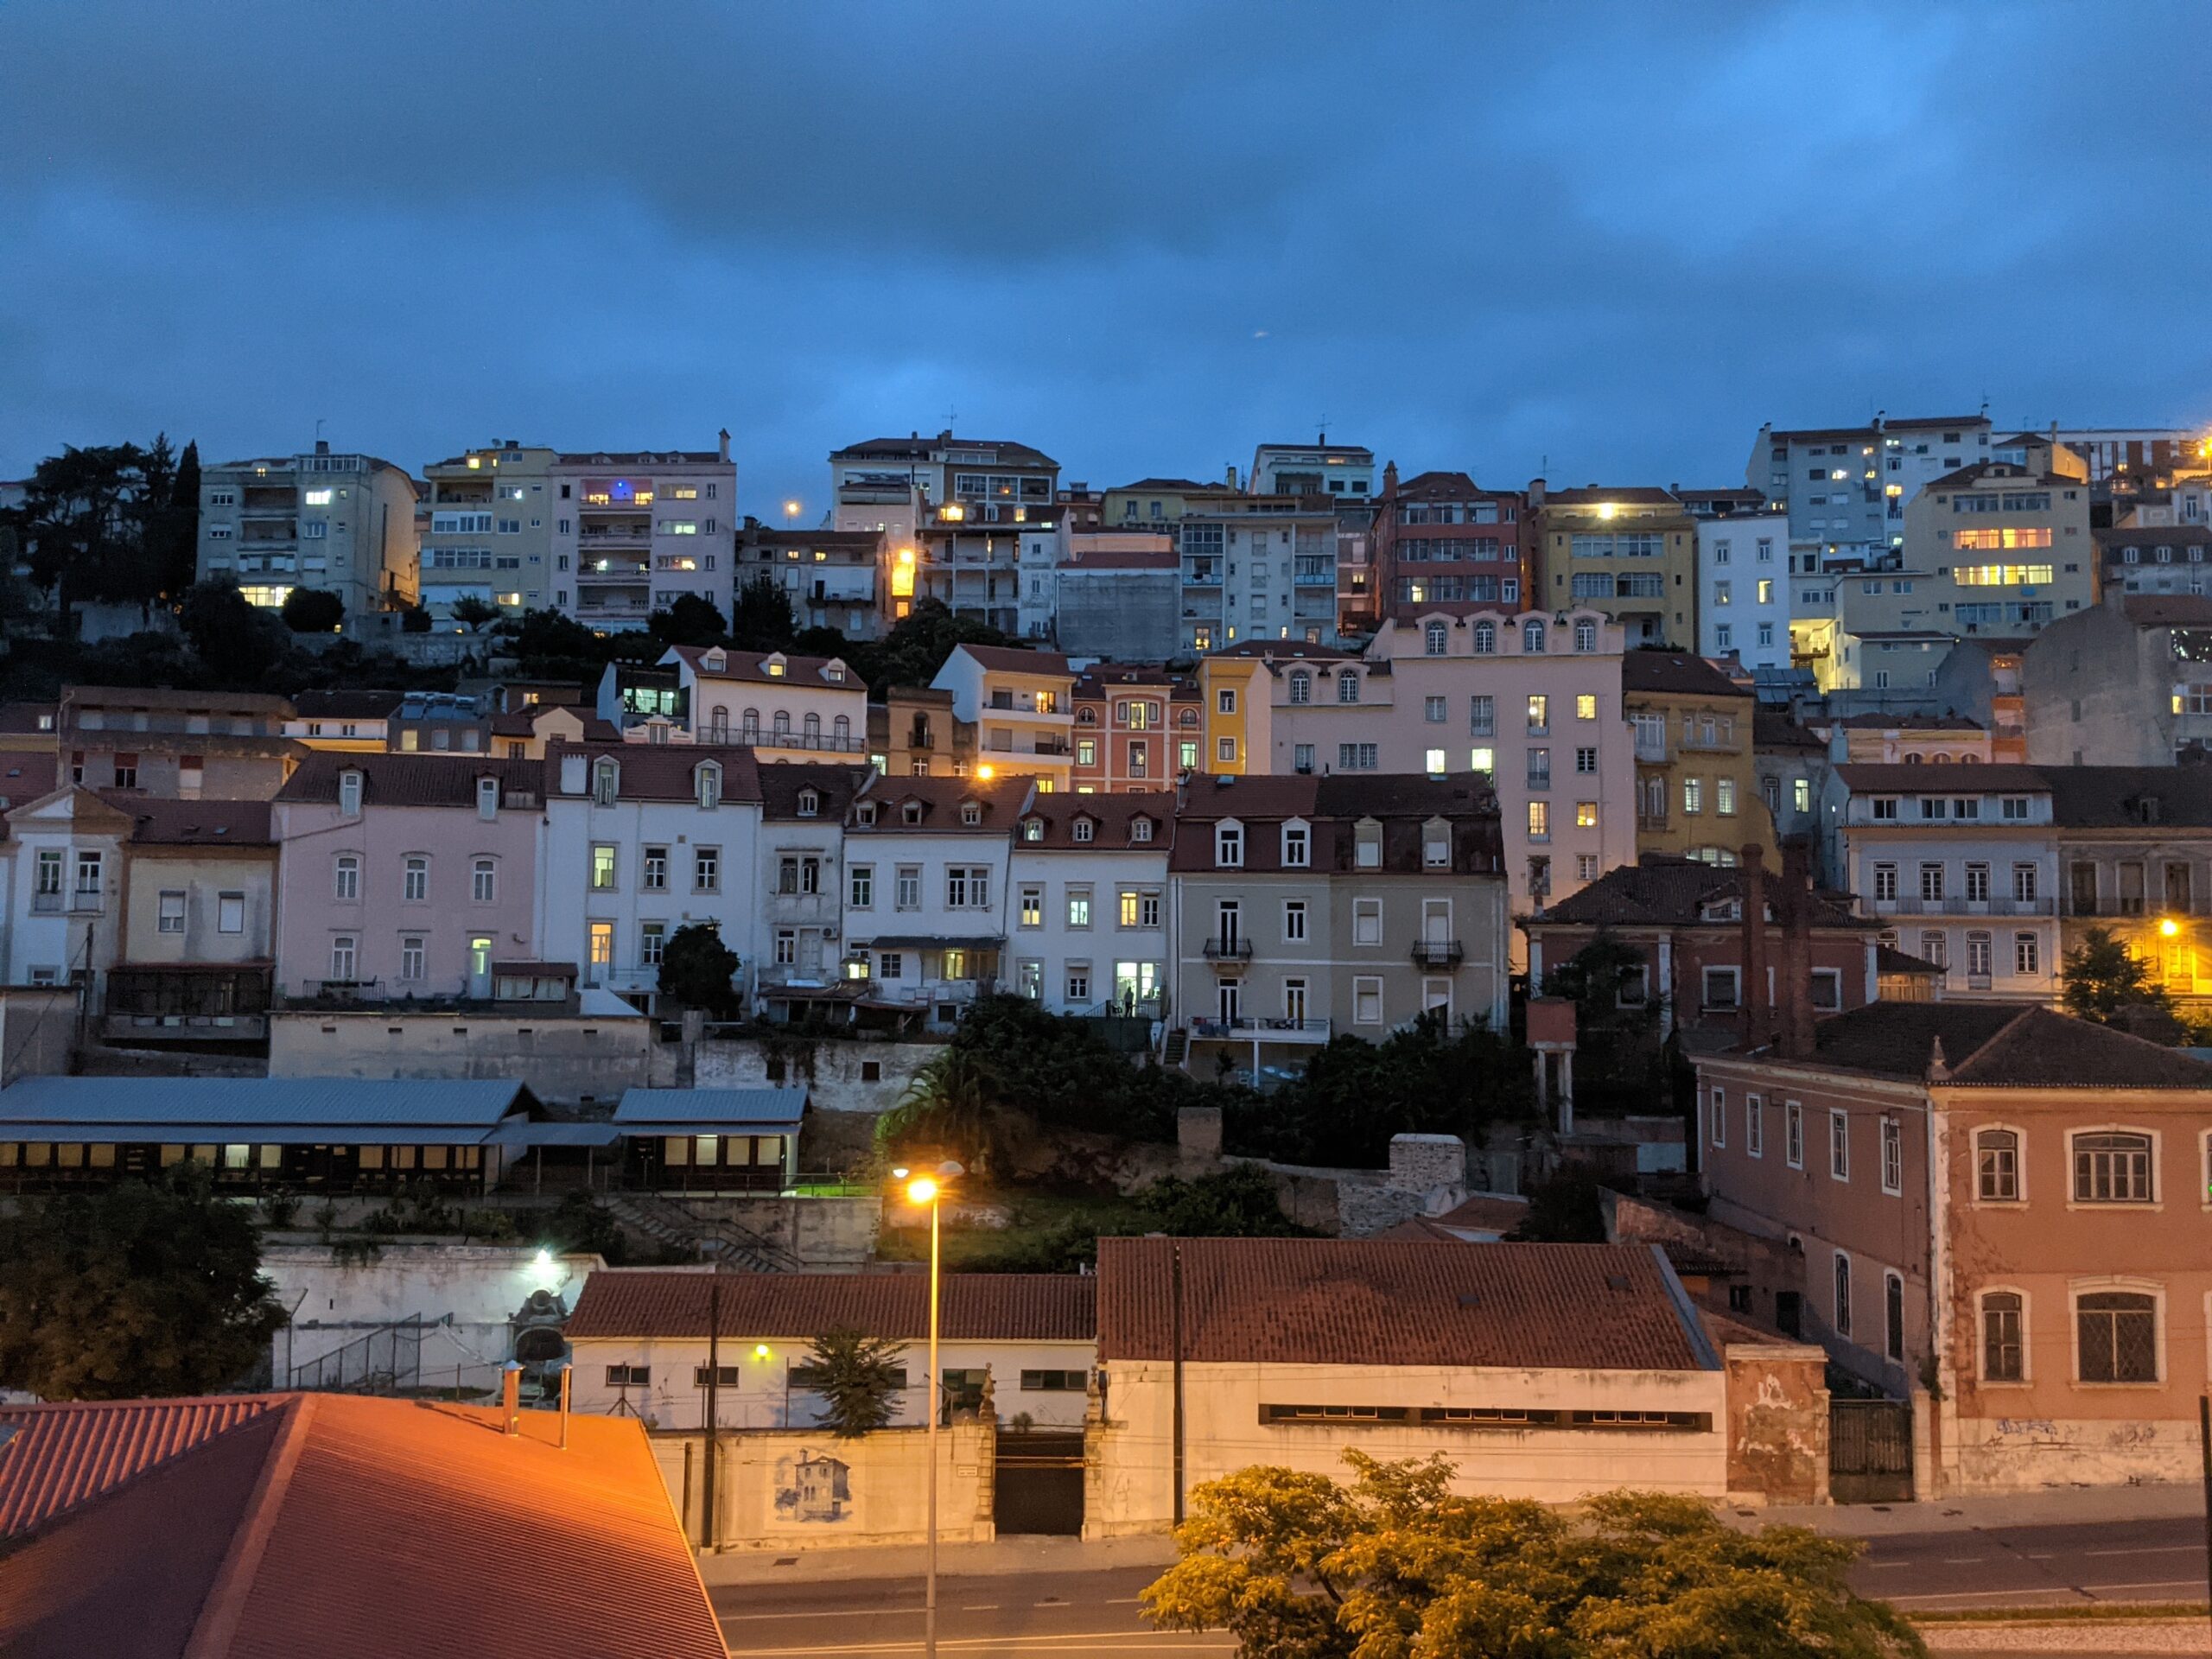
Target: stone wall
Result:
[[560, 1057], [842, 1074], [801, 1488], [825, 1234], [1778, 1421]]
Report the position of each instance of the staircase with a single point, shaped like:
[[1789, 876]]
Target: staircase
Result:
[[1176, 1047], [674, 1225]]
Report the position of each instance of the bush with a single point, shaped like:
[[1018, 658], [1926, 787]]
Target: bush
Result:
[[696, 969], [313, 610]]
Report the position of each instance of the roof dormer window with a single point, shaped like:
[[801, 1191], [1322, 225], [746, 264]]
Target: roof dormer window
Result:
[[773, 668], [606, 782], [349, 793], [835, 673], [911, 812], [971, 814], [714, 659], [1085, 829], [488, 798], [1032, 829], [707, 779], [809, 804], [1140, 828], [864, 814]]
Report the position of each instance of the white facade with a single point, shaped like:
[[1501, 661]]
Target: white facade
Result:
[[632, 533], [65, 876], [1022, 705], [795, 926], [1257, 575], [1090, 932], [1043, 551], [785, 707], [1341, 470], [1744, 588]]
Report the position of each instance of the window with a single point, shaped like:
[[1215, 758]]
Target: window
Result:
[[1079, 907], [629, 1376], [966, 886], [230, 913], [1997, 1165], [484, 880], [1539, 821], [1693, 795], [171, 917], [1434, 710], [604, 782], [1724, 796], [487, 794], [1585, 761], [1293, 921], [707, 869], [2027, 954], [708, 780], [344, 958], [1586, 636], [349, 793], [653, 873], [2112, 1168], [653, 942], [908, 895], [603, 866], [1540, 721], [347, 879], [411, 956], [1893, 1317], [415, 879], [1032, 906], [2117, 1336], [1842, 1312], [1078, 981], [1827, 989], [1297, 846], [1367, 1000], [1754, 1126], [1793, 1134], [1838, 1146], [1225, 700], [2023, 883], [1718, 1115], [1720, 988], [1225, 749], [1481, 717], [1532, 637], [861, 886], [1229, 846], [1347, 687], [1485, 638], [1302, 687], [1931, 883], [1885, 882], [1435, 637], [1367, 921], [2003, 1353], [1892, 1156]]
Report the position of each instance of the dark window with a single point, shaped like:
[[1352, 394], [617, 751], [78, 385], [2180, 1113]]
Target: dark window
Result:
[[2001, 1352], [2119, 1334], [1055, 1382]]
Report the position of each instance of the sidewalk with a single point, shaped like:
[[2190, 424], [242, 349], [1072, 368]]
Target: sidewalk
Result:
[[1007, 1557], [2056, 1507]]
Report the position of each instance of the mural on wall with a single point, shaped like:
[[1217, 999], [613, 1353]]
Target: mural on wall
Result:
[[814, 1488]]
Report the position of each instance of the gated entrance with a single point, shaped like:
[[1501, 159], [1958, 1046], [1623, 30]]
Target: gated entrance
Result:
[[1870, 1451], [1040, 1484]]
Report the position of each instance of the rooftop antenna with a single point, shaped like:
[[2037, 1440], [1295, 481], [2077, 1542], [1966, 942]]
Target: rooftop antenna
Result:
[[318, 420], [951, 419], [1323, 425]]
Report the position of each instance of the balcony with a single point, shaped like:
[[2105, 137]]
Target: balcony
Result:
[[1228, 949], [752, 737], [1653, 755], [803, 909], [1244, 1029], [1438, 953], [1957, 906]]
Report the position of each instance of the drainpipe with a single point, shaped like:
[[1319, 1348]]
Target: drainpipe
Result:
[[1175, 1326]]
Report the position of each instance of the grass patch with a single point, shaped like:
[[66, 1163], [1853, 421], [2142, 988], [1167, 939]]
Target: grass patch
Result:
[[1048, 1233], [2102, 1612]]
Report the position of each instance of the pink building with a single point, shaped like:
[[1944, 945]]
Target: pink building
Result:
[[405, 875]]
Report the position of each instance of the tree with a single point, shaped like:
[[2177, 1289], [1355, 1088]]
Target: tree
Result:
[[1620, 1059], [313, 610], [415, 620], [696, 969], [856, 1376], [146, 1288], [2104, 979], [691, 620], [173, 533], [951, 1107], [1239, 1202], [913, 650], [474, 612], [1397, 1564], [761, 618], [236, 642]]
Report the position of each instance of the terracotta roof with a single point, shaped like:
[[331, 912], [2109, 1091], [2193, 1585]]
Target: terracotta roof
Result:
[[1888, 959], [1999, 1044], [1660, 891], [16, 718], [349, 1527], [346, 705], [1879, 722], [940, 799], [1995, 474], [55, 1457], [415, 779], [1449, 486], [1177, 485], [661, 771], [834, 785], [1286, 650], [1015, 659], [1095, 681], [25, 777], [2130, 797], [126, 696], [655, 1302], [1675, 673], [1333, 1301], [2168, 610], [1772, 729], [2154, 536], [1110, 817], [752, 666], [1886, 776], [192, 823]]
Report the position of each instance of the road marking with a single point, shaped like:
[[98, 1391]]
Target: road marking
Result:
[[755, 1618], [1118, 1641], [2155, 1584], [1873, 1566], [2153, 1549], [1962, 1561], [981, 1607]]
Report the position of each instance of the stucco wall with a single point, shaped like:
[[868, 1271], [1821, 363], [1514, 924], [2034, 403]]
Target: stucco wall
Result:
[[1777, 1422], [560, 1058], [885, 1500], [839, 1077]]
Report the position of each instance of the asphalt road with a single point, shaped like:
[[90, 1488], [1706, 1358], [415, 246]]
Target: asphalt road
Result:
[[1028, 1614], [2063, 1565]]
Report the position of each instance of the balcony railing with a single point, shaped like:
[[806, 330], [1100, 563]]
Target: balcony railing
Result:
[[1653, 754], [1953, 906], [1438, 953], [752, 737], [1243, 1028], [1228, 949]]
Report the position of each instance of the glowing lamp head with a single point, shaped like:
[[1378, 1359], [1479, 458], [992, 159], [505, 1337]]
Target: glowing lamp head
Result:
[[791, 507], [987, 773], [1606, 510], [2169, 927], [921, 1190], [759, 1350]]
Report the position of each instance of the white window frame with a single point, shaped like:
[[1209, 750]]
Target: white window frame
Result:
[[1840, 1145]]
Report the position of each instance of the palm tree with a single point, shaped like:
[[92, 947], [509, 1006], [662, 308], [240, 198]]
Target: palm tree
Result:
[[950, 1104]]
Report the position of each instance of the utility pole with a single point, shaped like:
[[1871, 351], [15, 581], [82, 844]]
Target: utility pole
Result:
[[714, 1374], [1175, 1328]]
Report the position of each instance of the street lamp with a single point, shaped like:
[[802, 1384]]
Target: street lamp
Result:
[[930, 1189], [790, 512]]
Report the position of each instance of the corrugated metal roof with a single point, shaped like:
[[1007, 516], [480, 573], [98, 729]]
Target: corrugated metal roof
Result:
[[799, 1307], [521, 1132], [59, 1456], [130, 1132], [640, 1108], [335, 1101]]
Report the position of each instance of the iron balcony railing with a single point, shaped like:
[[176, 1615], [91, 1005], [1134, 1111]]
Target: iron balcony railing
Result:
[[1438, 953], [1228, 949]]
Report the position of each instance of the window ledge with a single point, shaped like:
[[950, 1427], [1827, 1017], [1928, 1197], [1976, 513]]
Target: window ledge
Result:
[[1987, 1384], [2130, 1208], [2137, 1388]]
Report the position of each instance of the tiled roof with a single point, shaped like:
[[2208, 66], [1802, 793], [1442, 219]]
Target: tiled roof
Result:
[[1999, 1044], [54, 1457], [1880, 776], [162, 822], [1333, 1301], [18, 718], [1286, 650], [352, 1527], [1178, 485], [1772, 730], [1596, 494], [2130, 797], [663, 772], [752, 666], [1015, 659], [1888, 959], [128, 696], [346, 705], [2168, 610], [940, 800], [416, 779], [977, 1308], [1110, 817], [918, 448], [1996, 473], [1675, 673], [25, 777], [1660, 891], [834, 788], [2154, 536], [1446, 486]]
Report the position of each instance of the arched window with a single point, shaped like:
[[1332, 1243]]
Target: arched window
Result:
[[718, 724], [1435, 637], [2003, 1351], [842, 729], [813, 730], [752, 726], [1586, 636], [1997, 1165], [1347, 687], [1301, 686], [1485, 638], [709, 781], [782, 723], [1532, 636]]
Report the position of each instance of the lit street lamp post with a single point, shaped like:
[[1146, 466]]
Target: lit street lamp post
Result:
[[929, 1190]]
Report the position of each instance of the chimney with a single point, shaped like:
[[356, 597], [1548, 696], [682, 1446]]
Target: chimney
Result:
[[1390, 480], [322, 446], [511, 1398], [1536, 493], [1229, 476], [725, 444], [1796, 977], [1752, 994]]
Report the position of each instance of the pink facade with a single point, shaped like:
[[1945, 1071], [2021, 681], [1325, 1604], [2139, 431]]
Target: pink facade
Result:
[[405, 875]]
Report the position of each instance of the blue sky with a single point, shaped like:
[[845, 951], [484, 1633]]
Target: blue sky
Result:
[[1602, 242]]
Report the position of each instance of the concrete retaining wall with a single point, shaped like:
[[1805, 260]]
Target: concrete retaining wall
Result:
[[791, 1489]]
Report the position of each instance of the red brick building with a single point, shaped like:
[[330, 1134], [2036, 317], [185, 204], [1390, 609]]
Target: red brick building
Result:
[[1135, 729], [1443, 543]]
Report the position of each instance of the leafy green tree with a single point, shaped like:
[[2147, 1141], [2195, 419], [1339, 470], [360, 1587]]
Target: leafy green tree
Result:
[[147, 1289], [550, 633], [235, 641], [1398, 1565], [313, 610], [760, 617], [857, 1377], [415, 620], [691, 620], [696, 969], [2106, 980], [172, 533], [1239, 1202], [474, 612], [916, 648], [951, 1107]]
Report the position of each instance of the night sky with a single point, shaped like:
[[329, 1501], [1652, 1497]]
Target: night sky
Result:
[[1603, 243]]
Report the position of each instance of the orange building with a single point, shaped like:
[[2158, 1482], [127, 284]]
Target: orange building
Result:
[[1136, 729]]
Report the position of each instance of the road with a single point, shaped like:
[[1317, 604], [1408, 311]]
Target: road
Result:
[[1065, 1613], [2061, 1566]]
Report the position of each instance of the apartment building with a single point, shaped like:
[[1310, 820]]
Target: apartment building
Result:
[[2108, 453], [2135, 855], [793, 951], [1744, 563], [1118, 595], [1630, 554], [342, 523], [1089, 875], [833, 578], [1909, 740], [1264, 569], [1792, 763], [651, 838], [2126, 683], [1136, 729], [781, 706], [2010, 548], [634, 531], [911, 732], [1981, 1206], [356, 721], [1962, 861], [1238, 693], [1303, 906], [1336, 470], [406, 876], [489, 535], [1444, 546], [219, 745], [1159, 504], [926, 907], [1848, 487], [1022, 706], [2153, 558], [895, 485], [1696, 781]]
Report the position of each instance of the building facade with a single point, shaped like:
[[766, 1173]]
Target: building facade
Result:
[[1630, 554], [1136, 729], [833, 578], [1089, 903], [341, 524], [782, 706], [1697, 780], [489, 535], [1444, 546], [1744, 588], [1022, 704], [2010, 548], [1847, 488], [635, 531], [2126, 683]]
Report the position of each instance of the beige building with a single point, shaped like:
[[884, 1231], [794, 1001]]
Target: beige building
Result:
[[1630, 553], [2010, 548], [343, 523], [634, 532], [490, 531], [1301, 907], [1696, 784]]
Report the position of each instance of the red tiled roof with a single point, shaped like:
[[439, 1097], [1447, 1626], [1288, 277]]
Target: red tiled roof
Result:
[[1876, 777], [352, 1527], [834, 787], [661, 771], [2169, 610], [415, 779], [25, 777], [192, 823], [752, 666], [977, 1308], [1999, 1044], [940, 799], [1333, 1301], [1110, 817], [52, 1458], [1675, 673], [1660, 891], [1015, 659]]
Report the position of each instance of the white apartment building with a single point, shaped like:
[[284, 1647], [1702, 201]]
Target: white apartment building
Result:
[[1744, 588], [896, 484], [1268, 575], [1961, 862], [795, 938], [785, 707], [1345, 471], [342, 523], [490, 531], [1089, 880], [1022, 706], [639, 840], [633, 532], [1848, 486], [926, 904]]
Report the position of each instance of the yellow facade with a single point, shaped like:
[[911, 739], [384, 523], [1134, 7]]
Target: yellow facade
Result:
[[1697, 790], [1232, 737]]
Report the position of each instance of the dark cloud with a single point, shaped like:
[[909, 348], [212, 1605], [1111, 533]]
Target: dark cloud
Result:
[[1603, 241]]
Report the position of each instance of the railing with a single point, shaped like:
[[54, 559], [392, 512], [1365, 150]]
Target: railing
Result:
[[1229, 949], [1246, 1028], [47, 903], [86, 904], [1438, 953], [748, 738], [1651, 820], [1654, 752], [1956, 906]]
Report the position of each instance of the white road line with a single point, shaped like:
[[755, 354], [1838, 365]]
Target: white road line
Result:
[[2153, 1549], [847, 1612], [1962, 1561]]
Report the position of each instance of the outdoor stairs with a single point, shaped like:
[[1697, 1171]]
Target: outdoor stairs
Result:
[[1175, 1048], [672, 1223]]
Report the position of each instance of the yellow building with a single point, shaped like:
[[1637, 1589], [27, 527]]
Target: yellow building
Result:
[[2010, 547], [1629, 553], [1697, 793], [1243, 685]]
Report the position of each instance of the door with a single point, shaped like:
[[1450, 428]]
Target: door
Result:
[[480, 965], [1037, 1487], [1294, 1002], [1231, 917], [1229, 995], [1870, 1451]]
